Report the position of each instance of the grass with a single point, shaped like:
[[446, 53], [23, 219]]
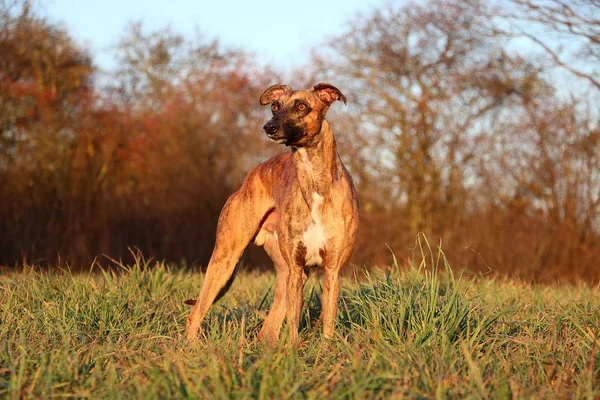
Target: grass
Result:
[[412, 333]]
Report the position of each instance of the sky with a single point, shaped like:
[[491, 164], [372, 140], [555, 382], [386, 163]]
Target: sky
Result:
[[280, 33]]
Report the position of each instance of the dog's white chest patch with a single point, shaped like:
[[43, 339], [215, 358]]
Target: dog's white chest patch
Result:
[[314, 236]]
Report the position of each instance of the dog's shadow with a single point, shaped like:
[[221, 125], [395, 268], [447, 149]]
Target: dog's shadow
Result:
[[394, 313], [350, 312]]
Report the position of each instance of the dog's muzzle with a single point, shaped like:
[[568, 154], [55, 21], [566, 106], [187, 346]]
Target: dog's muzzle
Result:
[[273, 132], [270, 129]]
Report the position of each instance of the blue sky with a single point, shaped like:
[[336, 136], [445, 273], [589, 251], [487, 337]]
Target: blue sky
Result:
[[277, 32]]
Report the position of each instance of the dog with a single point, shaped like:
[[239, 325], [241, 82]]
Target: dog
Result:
[[301, 206]]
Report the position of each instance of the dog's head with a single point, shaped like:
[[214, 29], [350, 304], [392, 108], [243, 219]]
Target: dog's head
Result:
[[298, 114]]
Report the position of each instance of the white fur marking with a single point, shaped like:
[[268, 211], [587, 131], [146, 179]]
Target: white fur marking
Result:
[[314, 236]]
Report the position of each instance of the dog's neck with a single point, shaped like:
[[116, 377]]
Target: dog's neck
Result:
[[318, 166]]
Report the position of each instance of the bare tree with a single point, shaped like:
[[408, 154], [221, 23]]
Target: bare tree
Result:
[[566, 31], [428, 83], [455, 134]]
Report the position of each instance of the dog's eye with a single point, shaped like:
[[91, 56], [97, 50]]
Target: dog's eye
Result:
[[301, 107], [274, 107]]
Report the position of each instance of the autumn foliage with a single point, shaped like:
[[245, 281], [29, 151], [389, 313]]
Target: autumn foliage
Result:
[[452, 130]]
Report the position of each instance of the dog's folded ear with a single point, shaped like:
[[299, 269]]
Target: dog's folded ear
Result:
[[329, 93], [273, 93]]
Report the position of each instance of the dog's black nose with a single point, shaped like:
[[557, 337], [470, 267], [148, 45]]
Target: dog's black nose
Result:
[[270, 129]]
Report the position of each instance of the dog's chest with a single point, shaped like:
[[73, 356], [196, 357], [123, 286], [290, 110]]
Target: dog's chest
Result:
[[313, 238]]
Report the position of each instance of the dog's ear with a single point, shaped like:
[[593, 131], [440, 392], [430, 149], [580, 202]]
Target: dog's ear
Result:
[[328, 93], [273, 93]]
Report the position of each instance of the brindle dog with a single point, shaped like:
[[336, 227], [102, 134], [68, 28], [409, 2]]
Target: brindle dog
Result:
[[301, 206]]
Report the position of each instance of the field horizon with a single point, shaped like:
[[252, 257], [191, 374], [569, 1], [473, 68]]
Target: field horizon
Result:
[[411, 332]]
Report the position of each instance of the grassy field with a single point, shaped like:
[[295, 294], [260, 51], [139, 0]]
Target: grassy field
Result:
[[406, 334]]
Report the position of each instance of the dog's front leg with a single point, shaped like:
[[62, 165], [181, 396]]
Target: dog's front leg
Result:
[[272, 325], [331, 292], [296, 279]]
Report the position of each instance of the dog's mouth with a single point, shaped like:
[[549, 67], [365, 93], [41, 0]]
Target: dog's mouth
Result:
[[277, 139], [284, 139]]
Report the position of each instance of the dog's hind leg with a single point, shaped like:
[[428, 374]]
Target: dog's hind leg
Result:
[[238, 223], [272, 324]]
